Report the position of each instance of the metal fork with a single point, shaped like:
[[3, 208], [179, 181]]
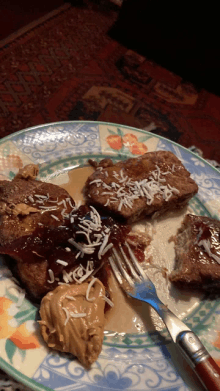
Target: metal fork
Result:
[[138, 285]]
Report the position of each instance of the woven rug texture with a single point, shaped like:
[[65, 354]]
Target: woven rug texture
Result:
[[66, 67]]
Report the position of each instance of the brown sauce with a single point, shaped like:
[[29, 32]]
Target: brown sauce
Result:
[[126, 315], [77, 179]]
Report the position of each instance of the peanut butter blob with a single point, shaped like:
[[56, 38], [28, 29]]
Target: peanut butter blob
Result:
[[72, 319]]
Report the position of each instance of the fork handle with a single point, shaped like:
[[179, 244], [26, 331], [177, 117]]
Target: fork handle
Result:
[[209, 372], [204, 365]]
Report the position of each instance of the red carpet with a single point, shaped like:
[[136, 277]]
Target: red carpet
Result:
[[16, 14], [67, 67]]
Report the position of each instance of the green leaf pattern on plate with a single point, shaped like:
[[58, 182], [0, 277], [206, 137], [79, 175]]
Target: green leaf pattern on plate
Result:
[[142, 139], [120, 133], [25, 312], [10, 349], [112, 132]]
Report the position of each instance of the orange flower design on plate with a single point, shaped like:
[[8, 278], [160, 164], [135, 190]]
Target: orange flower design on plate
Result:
[[114, 141], [10, 161], [6, 330], [121, 141], [25, 337], [217, 341], [18, 326], [138, 149], [129, 140]]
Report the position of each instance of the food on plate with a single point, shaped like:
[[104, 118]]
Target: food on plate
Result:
[[49, 237], [72, 319], [197, 247], [59, 250], [139, 187], [33, 224]]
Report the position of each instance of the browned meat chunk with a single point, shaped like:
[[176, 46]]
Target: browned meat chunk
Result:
[[33, 224], [132, 189], [197, 247], [27, 204], [48, 238], [30, 171]]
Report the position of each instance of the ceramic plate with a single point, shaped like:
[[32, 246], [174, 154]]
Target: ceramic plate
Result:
[[135, 361]]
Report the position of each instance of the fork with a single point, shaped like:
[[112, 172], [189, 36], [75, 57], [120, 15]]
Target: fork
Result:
[[134, 281]]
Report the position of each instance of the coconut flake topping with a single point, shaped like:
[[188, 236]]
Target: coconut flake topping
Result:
[[95, 233], [207, 246], [125, 190]]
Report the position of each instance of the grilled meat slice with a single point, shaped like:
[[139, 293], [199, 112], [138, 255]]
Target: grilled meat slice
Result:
[[138, 187], [33, 225], [197, 247], [48, 237]]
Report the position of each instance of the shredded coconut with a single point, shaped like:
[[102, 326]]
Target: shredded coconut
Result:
[[207, 246], [70, 297], [108, 301], [92, 282], [125, 191], [67, 315], [64, 263], [92, 224], [55, 217], [51, 274], [78, 315]]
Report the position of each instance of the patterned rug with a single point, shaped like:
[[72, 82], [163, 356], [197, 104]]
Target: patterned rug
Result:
[[66, 67]]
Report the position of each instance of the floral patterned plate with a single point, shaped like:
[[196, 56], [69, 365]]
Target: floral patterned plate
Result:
[[138, 361]]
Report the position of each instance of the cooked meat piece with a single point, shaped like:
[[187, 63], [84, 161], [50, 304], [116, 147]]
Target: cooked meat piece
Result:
[[137, 187], [23, 210], [30, 171], [48, 237], [104, 163], [32, 225], [26, 204], [197, 247]]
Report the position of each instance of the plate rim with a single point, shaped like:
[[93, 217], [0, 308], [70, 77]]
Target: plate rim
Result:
[[10, 136], [20, 377], [8, 368]]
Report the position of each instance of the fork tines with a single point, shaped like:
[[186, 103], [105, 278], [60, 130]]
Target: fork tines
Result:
[[125, 269]]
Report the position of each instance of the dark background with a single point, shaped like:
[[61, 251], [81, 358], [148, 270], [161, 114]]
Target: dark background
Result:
[[182, 36], [15, 14]]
